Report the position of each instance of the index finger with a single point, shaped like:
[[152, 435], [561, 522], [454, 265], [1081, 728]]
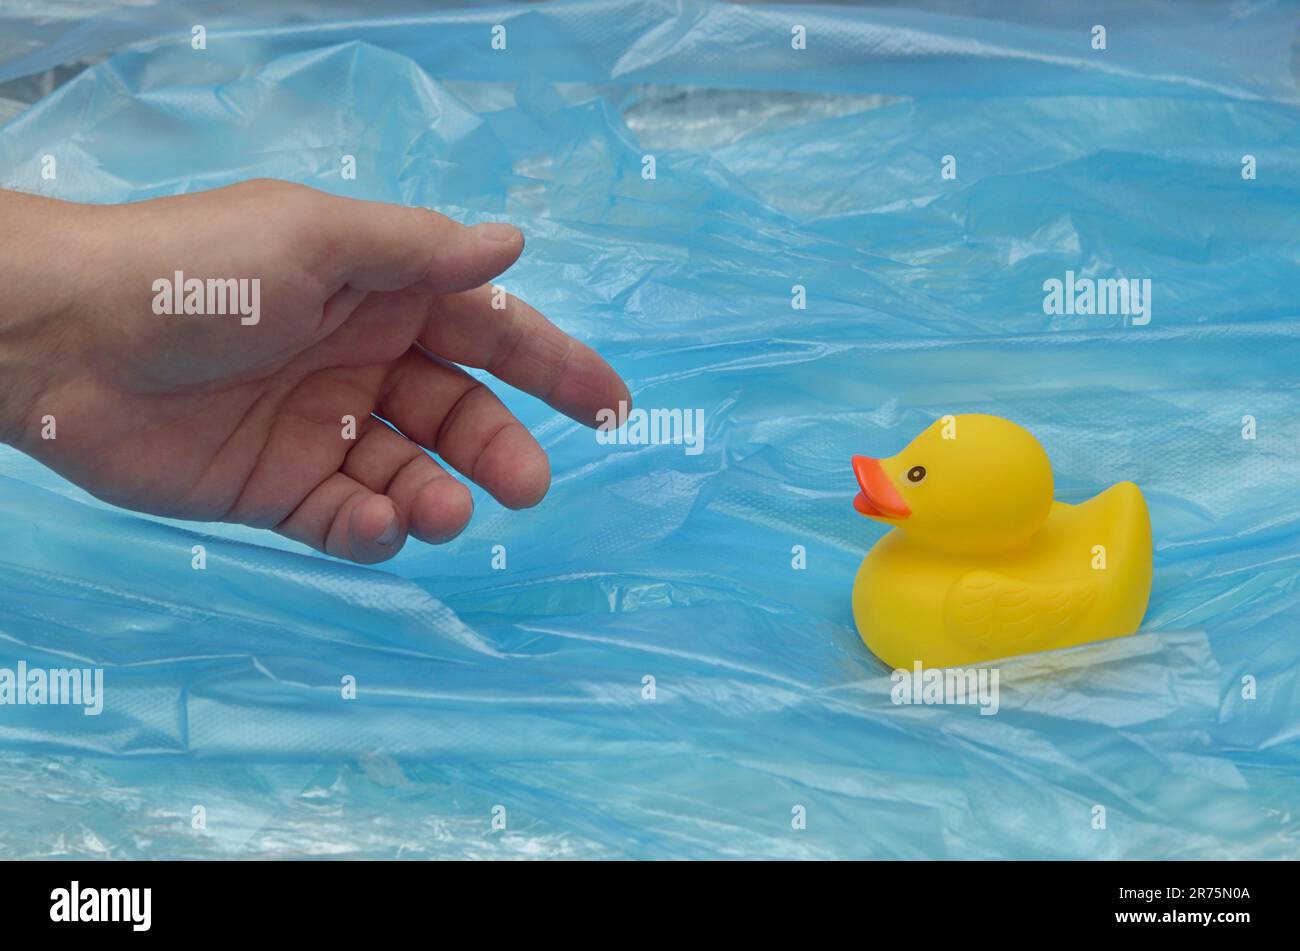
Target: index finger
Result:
[[519, 346]]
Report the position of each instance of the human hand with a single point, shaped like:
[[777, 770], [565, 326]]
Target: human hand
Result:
[[364, 309]]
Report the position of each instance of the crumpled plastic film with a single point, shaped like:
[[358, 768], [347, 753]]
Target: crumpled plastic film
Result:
[[528, 687]]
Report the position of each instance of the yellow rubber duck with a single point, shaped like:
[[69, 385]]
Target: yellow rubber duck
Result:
[[982, 563]]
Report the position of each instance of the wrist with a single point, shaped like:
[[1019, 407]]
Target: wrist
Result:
[[35, 311]]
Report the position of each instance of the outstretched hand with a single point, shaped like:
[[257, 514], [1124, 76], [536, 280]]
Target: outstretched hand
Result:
[[362, 310]]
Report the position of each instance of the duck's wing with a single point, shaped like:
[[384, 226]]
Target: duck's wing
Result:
[[986, 609]]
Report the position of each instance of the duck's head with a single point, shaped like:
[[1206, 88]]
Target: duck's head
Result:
[[968, 483]]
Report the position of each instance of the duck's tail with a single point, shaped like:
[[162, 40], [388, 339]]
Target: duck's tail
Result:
[[1123, 527]]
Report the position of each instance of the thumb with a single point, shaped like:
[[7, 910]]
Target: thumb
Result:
[[373, 246]]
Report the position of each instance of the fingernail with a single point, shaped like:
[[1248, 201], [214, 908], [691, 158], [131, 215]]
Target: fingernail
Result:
[[495, 231], [390, 533]]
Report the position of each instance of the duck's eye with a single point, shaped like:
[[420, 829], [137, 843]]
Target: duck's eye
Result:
[[916, 475]]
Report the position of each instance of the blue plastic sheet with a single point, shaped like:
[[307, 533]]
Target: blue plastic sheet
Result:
[[521, 693]]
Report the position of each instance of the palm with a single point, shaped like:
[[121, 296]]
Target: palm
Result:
[[270, 424]]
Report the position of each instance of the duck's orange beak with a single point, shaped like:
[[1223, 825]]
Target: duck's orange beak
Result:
[[879, 497]]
